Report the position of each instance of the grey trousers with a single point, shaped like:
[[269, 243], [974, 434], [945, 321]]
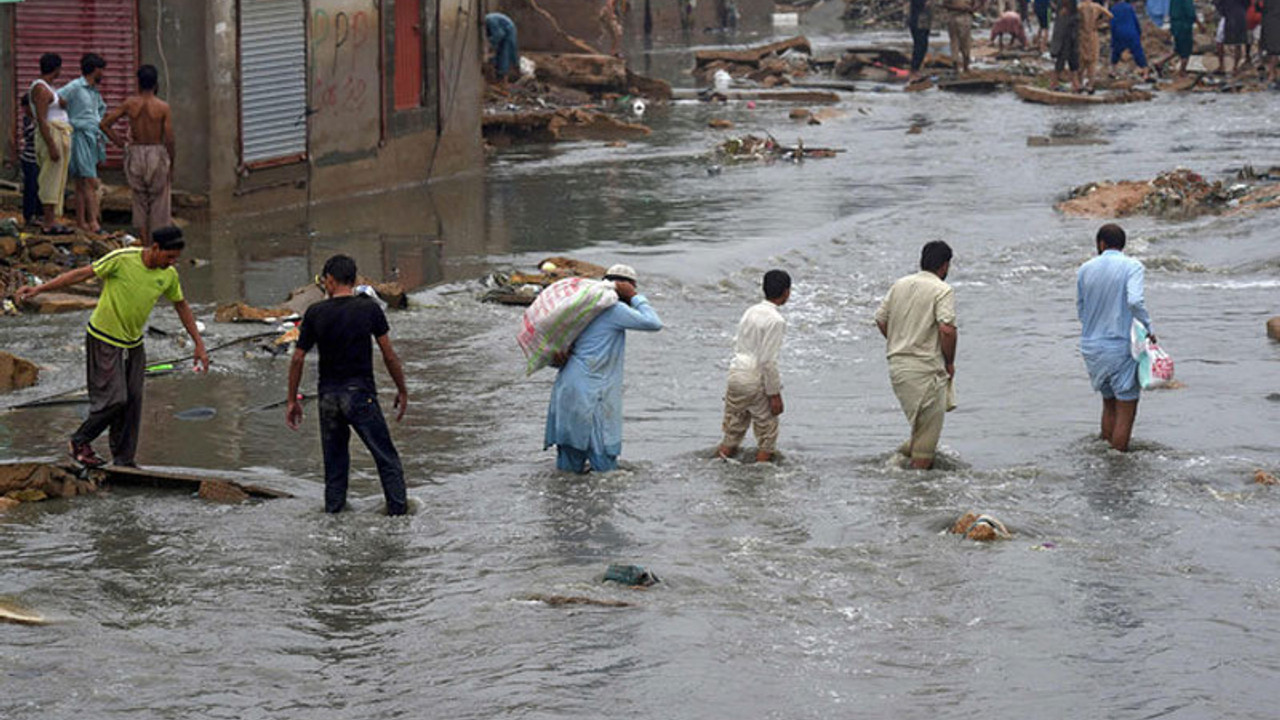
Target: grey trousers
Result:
[[115, 376]]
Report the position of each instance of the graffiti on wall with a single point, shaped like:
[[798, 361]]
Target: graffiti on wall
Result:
[[345, 38]]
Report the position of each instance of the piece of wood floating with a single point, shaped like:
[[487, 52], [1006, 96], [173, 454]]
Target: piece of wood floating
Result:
[[1051, 141], [19, 616], [806, 97], [183, 480], [1034, 94]]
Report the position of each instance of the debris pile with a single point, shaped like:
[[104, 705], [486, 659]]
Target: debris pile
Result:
[[520, 288], [30, 258], [1178, 193], [753, 148], [770, 65], [571, 97], [35, 481]]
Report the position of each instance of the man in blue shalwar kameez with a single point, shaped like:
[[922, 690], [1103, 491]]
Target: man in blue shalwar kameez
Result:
[[584, 418], [501, 31]]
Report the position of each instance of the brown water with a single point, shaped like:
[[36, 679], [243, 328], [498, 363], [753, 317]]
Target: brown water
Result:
[[1137, 586]]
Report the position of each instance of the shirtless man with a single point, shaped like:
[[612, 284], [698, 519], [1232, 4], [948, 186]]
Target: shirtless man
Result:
[[148, 159]]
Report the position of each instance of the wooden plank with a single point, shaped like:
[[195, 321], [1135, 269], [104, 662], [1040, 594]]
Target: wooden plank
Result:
[[752, 55], [1033, 94], [183, 480]]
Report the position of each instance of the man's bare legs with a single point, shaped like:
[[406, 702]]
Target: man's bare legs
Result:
[[1117, 422], [87, 205], [724, 452]]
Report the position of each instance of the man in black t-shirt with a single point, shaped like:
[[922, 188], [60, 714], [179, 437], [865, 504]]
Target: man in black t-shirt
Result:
[[341, 326]]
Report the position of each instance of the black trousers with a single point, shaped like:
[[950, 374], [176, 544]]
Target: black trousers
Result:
[[115, 376], [355, 408], [919, 47], [31, 207]]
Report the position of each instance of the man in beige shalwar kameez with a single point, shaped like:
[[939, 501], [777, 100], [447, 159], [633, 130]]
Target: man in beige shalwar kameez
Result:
[[1093, 17], [918, 321]]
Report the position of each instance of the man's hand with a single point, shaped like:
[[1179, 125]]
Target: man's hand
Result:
[[293, 414], [201, 359], [54, 154], [775, 404], [26, 292], [951, 370], [560, 359], [401, 403], [626, 290]]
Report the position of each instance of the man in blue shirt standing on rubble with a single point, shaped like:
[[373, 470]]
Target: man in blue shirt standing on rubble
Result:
[[584, 418], [1108, 300]]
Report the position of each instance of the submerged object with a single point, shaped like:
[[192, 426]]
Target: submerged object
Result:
[[10, 612], [196, 413], [634, 575], [980, 527]]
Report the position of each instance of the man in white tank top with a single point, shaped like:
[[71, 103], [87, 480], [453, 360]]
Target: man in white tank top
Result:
[[53, 142]]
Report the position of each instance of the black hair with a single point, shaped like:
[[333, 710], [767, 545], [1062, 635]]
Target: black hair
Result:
[[1111, 235], [341, 268], [50, 62], [148, 78], [934, 255], [616, 278], [91, 62], [776, 282], [168, 238]]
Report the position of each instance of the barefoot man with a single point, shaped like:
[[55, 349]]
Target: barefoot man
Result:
[[148, 156]]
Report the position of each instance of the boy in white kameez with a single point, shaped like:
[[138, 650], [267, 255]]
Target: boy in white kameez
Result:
[[754, 393]]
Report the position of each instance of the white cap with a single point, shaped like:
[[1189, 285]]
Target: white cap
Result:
[[622, 271]]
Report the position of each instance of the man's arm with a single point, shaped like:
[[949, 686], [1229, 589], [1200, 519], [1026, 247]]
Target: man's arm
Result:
[[66, 279], [169, 145], [1134, 294], [110, 119], [42, 109], [397, 374], [884, 328], [947, 336], [293, 408], [189, 322]]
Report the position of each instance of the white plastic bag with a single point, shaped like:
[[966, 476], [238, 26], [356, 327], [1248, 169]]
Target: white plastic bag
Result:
[[1155, 367], [558, 315]]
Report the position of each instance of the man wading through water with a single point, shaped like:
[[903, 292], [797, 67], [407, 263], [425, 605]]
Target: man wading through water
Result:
[[918, 321], [1108, 300], [342, 326], [133, 279]]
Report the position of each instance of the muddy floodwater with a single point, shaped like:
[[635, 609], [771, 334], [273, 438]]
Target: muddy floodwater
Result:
[[1136, 586]]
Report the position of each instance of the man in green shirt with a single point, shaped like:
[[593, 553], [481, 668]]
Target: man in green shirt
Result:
[[133, 279]]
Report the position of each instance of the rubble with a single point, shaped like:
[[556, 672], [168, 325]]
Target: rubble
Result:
[[16, 373], [980, 527], [520, 288], [1273, 328], [544, 126], [1179, 193], [28, 258], [1044, 96], [221, 492], [1262, 477], [753, 148], [767, 66], [34, 481]]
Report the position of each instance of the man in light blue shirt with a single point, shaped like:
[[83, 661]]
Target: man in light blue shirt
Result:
[[85, 108], [1108, 300], [584, 418]]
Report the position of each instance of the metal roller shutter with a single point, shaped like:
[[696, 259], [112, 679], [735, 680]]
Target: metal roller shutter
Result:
[[273, 80], [72, 28]]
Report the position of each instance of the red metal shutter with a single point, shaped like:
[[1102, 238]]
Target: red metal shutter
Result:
[[72, 28], [408, 82]]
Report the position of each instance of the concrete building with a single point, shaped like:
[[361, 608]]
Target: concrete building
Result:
[[277, 103]]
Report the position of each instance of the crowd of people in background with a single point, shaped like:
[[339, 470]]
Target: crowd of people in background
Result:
[[1247, 36], [65, 132]]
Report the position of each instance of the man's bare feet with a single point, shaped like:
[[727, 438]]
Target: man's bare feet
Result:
[[762, 456], [724, 453]]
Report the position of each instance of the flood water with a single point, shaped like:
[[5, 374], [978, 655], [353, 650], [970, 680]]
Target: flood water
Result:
[[1136, 586]]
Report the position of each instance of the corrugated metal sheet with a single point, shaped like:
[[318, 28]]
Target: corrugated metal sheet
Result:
[[273, 79], [72, 28]]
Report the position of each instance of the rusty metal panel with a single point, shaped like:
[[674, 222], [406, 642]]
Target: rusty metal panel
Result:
[[72, 28], [408, 45], [273, 80]]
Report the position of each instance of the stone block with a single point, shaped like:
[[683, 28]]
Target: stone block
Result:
[[223, 492], [16, 373]]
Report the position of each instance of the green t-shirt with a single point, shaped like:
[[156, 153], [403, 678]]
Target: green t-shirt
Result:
[[129, 290]]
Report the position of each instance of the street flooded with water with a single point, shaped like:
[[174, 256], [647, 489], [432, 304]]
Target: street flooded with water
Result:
[[1136, 586]]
